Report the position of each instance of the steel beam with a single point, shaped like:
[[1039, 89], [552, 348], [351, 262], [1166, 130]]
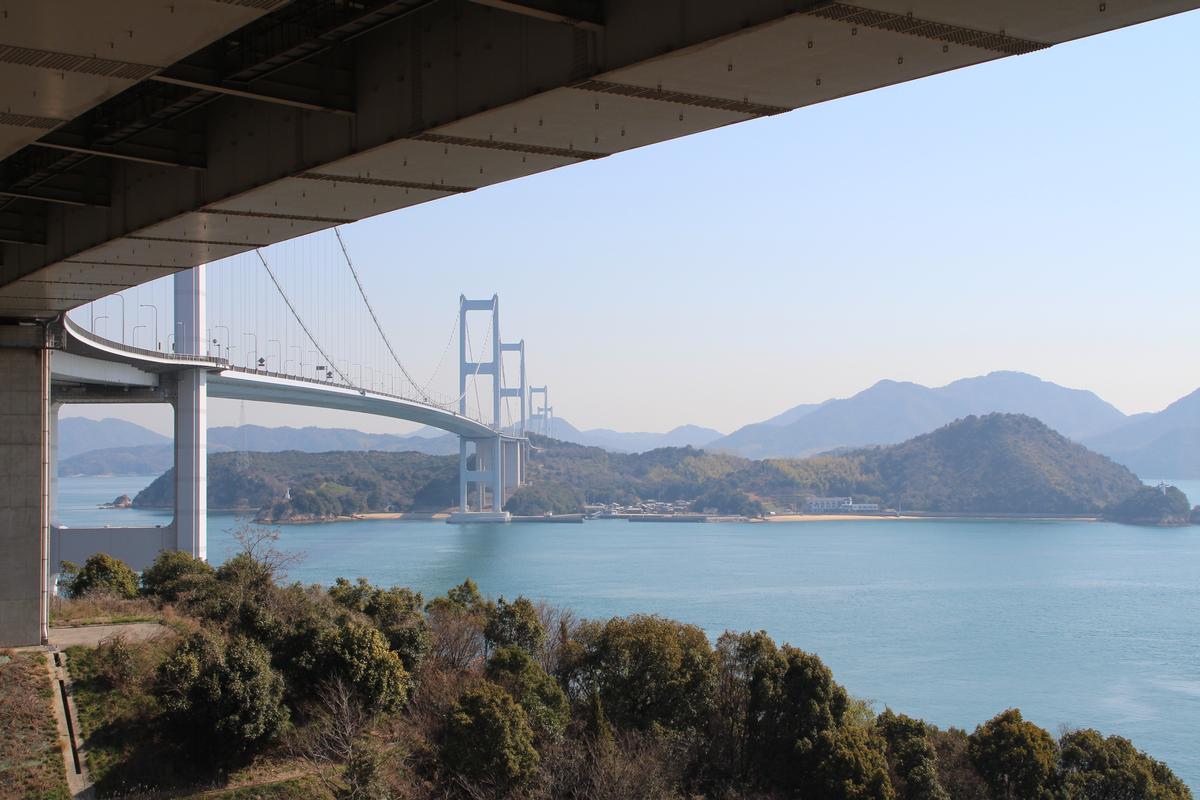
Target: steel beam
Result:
[[249, 95]]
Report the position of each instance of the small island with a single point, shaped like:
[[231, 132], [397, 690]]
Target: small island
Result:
[[122, 501], [1160, 505], [996, 465]]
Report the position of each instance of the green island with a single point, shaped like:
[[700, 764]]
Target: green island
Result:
[[261, 688], [995, 464]]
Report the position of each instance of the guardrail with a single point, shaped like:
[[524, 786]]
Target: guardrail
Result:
[[224, 365]]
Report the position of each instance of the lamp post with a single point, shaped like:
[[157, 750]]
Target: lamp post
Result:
[[299, 357], [253, 336], [135, 330], [153, 308], [218, 344], [97, 319], [278, 352], [121, 297]]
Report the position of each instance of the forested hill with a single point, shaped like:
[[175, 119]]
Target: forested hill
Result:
[[999, 463], [291, 485]]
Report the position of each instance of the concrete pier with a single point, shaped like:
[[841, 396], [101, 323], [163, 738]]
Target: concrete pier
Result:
[[25, 454]]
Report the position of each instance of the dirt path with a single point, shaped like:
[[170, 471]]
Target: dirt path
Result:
[[91, 635]]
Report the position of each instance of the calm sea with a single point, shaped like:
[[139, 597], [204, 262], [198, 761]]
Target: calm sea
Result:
[[1077, 624]]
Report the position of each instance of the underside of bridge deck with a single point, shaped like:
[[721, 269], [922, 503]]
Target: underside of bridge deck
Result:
[[150, 137]]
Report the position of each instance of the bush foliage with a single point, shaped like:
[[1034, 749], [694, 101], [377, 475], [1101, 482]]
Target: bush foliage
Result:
[[464, 698]]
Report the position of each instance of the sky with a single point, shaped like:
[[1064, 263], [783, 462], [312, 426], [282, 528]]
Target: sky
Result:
[[1036, 213]]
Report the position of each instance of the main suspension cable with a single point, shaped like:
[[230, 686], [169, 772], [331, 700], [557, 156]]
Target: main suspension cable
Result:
[[375, 319], [296, 314]]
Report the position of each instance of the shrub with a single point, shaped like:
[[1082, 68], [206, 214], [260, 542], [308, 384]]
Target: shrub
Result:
[[115, 663], [1014, 757], [173, 573], [538, 693], [849, 764], [397, 612], [1092, 767], [911, 756], [488, 739], [514, 624], [102, 573], [222, 693], [359, 654], [652, 671], [793, 701]]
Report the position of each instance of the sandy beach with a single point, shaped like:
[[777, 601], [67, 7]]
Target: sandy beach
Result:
[[830, 517]]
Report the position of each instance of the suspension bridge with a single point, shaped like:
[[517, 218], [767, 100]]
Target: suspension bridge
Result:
[[300, 331], [144, 139]]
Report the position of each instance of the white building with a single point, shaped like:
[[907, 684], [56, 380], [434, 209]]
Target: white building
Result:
[[838, 505], [828, 505]]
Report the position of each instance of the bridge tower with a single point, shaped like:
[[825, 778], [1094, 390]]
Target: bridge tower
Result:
[[191, 416], [487, 472], [541, 418], [518, 391]]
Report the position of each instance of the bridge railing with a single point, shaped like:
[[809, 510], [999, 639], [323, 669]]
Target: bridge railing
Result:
[[87, 336], [224, 364], [446, 406]]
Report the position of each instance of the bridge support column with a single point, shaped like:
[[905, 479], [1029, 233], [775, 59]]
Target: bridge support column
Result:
[[26, 431], [191, 417], [191, 463]]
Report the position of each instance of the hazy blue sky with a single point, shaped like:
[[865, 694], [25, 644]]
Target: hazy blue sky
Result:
[[1036, 213]]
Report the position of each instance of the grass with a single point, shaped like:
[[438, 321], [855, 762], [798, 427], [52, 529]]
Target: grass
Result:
[[291, 789], [99, 609], [31, 763], [112, 721]]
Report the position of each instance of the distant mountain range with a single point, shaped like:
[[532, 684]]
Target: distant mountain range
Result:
[[638, 442], [1165, 444], [156, 455], [891, 412], [79, 435]]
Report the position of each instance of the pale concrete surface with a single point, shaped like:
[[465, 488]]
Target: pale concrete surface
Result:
[[23, 408], [79, 783], [92, 635]]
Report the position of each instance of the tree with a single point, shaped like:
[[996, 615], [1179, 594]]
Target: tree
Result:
[[848, 763], [456, 626], [397, 612], [360, 655], [173, 573], [465, 596], [514, 624], [222, 693], [544, 497], [956, 773], [911, 756], [1092, 767], [793, 701], [102, 573], [738, 656], [652, 671], [335, 745], [1151, 505], [538, 693], [488, 739], [1015, 758]]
